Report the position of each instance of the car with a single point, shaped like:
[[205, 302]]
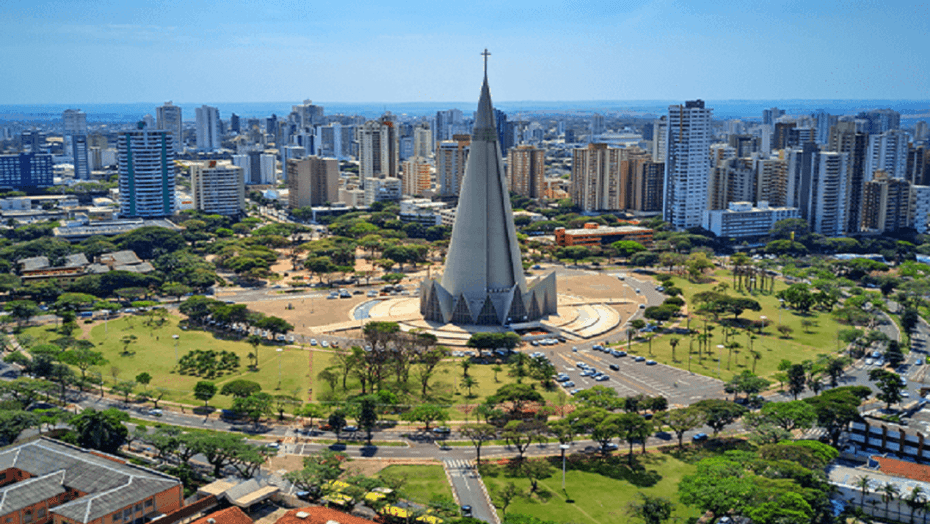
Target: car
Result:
[[569, 384], [273, 445], [621, 277], [312, 341], [350, 429], [700, 437], [562, 378], [330, 297], [597, 347], [876, 354], [303, 495], [575, 349], [602, 378], [620, 354], [639, 359], [637, 291], [642, 306], [372, 293], [581, 365], [587, 373], [660, 289], [651, 362], [442, 430], [325, 344], [905, 394], [537, 266], [155, 412], [869, 362], [919, 362], [334, 343], [615, 367], [574, 392], [466, 511], [903, 381], [280, 338], [610, 446]]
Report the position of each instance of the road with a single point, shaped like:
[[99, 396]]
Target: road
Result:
[[469, 489]]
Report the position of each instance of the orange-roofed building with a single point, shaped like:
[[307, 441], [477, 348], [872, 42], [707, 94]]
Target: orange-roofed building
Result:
[[319, 515], [230, 515], [902, 468]]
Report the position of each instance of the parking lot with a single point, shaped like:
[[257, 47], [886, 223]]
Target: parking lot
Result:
[[634, 378]]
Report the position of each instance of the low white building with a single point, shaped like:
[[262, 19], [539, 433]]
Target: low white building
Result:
[[742, 220], [387, 189], [422, 211]]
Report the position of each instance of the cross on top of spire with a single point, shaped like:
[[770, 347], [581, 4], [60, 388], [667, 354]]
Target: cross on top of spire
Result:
[[485, 54]]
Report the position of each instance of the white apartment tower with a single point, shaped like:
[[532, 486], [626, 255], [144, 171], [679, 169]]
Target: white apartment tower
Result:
[[659, 137], [887, 152], [451, 158], [146, 173], [218, 188], [168, 117], [208, 128], [422, 141], [687, 164], [75, 122], [378, 149], [817, 183]]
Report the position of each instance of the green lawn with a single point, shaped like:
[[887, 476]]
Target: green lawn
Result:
[[801, 345], [155, 354], [422, 484], [599, 489]]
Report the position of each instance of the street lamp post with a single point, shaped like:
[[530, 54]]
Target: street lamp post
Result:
[[719, 350], [563, 447], [762, 318], [175, 337], [781, 305]]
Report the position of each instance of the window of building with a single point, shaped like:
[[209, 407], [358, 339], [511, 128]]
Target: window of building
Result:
[[138, 507], [27, 516], [149, 504], [117, 517], [40, 514], [127, 514]]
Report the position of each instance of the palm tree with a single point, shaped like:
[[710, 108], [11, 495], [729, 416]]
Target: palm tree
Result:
[[629, 338], [889, 493], [915, 501], [673, 342], [469, 383], [863, 484], [255, 341], [756, 356]]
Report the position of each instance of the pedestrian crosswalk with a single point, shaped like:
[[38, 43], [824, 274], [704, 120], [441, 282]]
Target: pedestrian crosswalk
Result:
[[457, 464]]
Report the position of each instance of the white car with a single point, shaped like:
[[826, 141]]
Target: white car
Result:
[[312, 341]]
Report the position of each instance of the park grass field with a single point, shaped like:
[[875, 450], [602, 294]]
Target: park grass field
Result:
[[279, 372], [422, 483], [598, 494], [802, 345]]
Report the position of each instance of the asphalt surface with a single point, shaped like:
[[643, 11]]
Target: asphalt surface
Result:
[[469, 489]]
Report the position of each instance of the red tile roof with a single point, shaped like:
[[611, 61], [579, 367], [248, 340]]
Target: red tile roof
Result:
[[232, 515], [320, 515], [901, 468]]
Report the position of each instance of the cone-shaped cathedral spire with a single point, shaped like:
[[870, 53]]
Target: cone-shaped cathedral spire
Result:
[[483, 266]]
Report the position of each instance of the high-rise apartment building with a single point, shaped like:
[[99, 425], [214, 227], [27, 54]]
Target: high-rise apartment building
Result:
[[887, 152], [769, 116], [168, 117], [504, 130], [312, 181], [447, 124], [885, 204], [781, 139], [687, 164], [75, 122], [918, 165], [209, 137], [146, 173], [597, 127], [919, 218], [218, 188], [817, 187], [659, 138], [845, 138], [307, 115], [451, 157], [732, 180], [378, 149], [422, 141], [25, 171], [823, 121], [526, 168], [79, 153], [595, 182], [648, 178], [877, 121], [417, 174], [772, 180], [258, 168], [234, 123]]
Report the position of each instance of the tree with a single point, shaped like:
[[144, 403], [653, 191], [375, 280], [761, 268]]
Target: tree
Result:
[[485, 340], [83, 358], [720, 413], [889, 492], [837, 408], [240, 388], [127, 341], [909, 320], [889, 385], [633, 428], [535, 470], [254, 406], [893, 353], [673, 342], [282, 401], [427, 414], [144, 378], [627, 248], [652, 510], [14, 422], [521, 433], [337, 421], [785, 330], [125, 387], [318, 470], [798, 296], [505, 496], [22, 310], [797, 379], [478, 434], [204, 390], [789, 416], [367, 417], [101, 430], [684, 419], [517, 395]]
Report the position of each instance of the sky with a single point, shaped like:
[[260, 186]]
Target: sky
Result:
[[193, 51]]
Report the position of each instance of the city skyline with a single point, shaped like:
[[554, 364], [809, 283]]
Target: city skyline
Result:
[[660, 50]]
